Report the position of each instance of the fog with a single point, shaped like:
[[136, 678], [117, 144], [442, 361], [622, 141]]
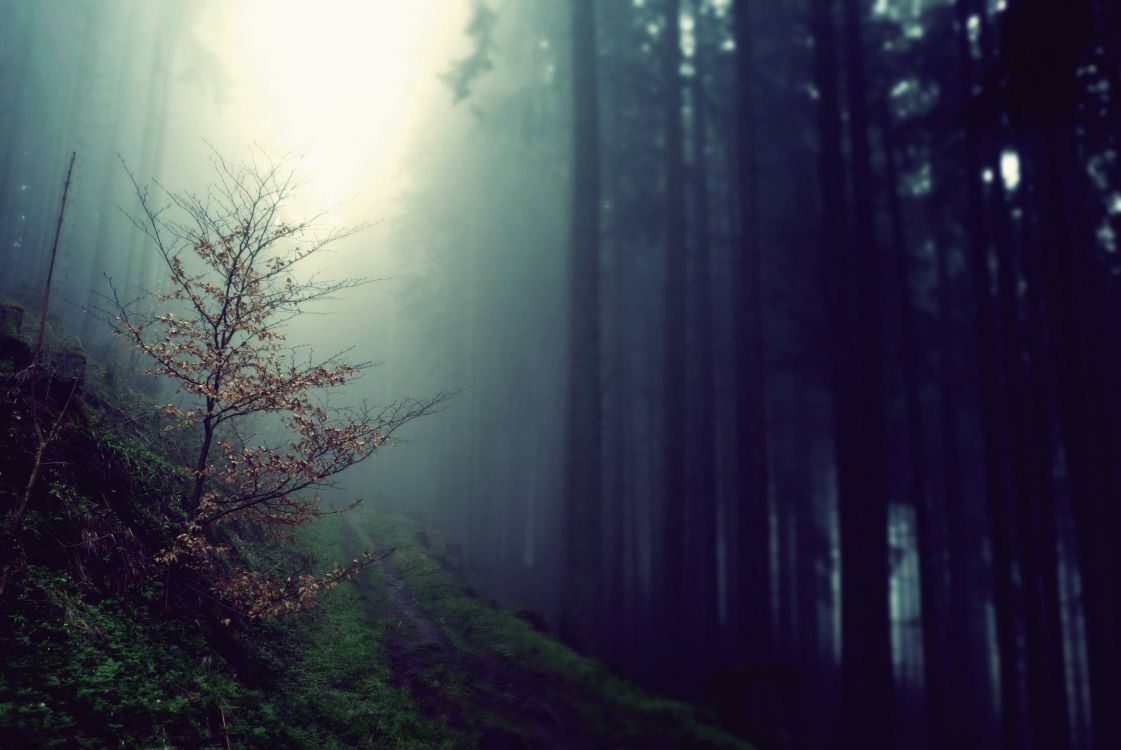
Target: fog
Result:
[[742, 310]]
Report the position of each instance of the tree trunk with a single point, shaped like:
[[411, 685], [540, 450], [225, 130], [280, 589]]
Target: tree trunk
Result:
[[706, 634], [1030, 470], [866, 670], [997, 491], [930, 566], [962, 712], [752, 513], [107, 213], [14, 133], [579, 621], [675, 383], [1070, 295]]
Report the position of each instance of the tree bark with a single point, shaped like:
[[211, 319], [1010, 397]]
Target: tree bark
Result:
[[866, 669], [753, 559], [1071, 296], [997, 489], [579, 620], [706, 634], [675, 381], [930, 567]]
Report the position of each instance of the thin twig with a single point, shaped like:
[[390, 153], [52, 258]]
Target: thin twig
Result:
[[50, 268]]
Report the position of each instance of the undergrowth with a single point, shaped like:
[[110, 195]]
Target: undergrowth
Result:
[[101, 648], [99, 651], [608, 707]]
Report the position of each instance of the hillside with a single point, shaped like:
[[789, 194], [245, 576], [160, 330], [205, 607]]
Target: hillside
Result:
[[103, 649]]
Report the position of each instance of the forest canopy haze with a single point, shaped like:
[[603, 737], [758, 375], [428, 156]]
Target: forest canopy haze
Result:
[[560, 374]]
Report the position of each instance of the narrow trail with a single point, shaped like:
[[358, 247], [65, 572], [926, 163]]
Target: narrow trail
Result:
[[506, 705]]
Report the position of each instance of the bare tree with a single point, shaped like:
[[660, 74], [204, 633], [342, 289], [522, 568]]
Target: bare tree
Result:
[[232, 263]]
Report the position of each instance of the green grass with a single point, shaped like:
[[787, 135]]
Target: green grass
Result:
[[339, 685], [83, 669], [81, 673], [345, 694], [94, 656], [95, 674], [611, 708]]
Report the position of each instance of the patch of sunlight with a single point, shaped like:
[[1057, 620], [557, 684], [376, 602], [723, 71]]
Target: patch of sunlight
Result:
[[1010, 169]]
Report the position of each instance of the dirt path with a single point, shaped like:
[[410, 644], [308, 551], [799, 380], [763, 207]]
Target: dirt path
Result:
[[505, 705]]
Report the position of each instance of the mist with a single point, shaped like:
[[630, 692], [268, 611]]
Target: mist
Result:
[[759, 352]]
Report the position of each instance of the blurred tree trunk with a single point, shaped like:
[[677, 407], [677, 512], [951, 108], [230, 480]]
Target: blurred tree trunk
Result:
[[866, 670], [810, 731], [835, 273], [619, 589], [1030, 469], [107, 213], [675, 384], [929, 551], [579, 622], [73, 121], [706, 633], [997, 490], [141, 263], [1088, 442], [13, 133], [1049, 117], [960, 712], [752, 610]]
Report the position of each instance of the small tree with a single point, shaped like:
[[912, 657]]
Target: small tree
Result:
[[232, 262]]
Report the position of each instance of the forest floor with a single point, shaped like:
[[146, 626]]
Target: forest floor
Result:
[[489, 674], [100, 650], [516, 707]]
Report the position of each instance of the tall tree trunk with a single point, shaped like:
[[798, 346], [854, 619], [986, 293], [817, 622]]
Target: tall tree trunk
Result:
[[753, 557], [141, 263], [1071, 295], [619, 535], [579, 621], [835, 274], [675, 382], [866, 673], [704, 501], [960, 712], [930, 567], [107, 213], [803, 470], [1030, 471], [14, 133], [997, 490]]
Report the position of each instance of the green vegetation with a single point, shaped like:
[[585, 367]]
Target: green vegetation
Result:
[[87, 674], [498, 645], [95, 674], [102, 648]]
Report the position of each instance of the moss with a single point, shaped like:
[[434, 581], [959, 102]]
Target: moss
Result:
[[95, 656], [340, 687], [11, 317], [94, 674], [338, 690], [612, 708]]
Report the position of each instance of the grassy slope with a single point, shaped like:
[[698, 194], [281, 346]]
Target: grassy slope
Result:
[[507, 651], [86, 673], [94, 656]]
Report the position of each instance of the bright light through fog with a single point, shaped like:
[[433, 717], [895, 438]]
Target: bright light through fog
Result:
[[1010, 169], [339, 81]]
